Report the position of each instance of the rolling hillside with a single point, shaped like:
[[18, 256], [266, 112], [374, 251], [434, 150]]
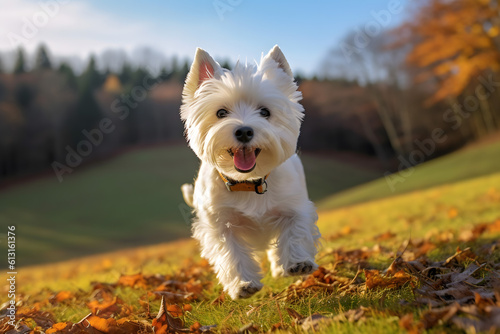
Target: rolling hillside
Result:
[[464, 164], [134, 199], [452, 230], [131, 200]]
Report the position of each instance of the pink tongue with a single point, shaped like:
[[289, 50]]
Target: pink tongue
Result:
[[244, 159]]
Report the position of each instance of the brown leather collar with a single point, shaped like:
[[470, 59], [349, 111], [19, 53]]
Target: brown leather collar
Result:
[[259, 186]]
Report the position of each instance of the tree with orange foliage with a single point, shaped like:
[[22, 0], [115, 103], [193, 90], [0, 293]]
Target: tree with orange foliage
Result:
[[453, 43]]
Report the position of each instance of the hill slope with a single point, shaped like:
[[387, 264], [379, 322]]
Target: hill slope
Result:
[[368, 236], [133, 199], [461, 165]]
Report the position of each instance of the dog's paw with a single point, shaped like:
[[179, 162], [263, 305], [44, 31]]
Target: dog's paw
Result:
[[302, 268], [249, 289]]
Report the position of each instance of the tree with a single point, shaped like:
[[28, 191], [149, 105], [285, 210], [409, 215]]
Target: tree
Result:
[[126, 74], [138, 76], [69, 76], [24, 95], [42, 59], [86, 116], [181, 73], [164, 75], [91, 78], [376, 69], [453, 43], [20, 66], [112, 84]]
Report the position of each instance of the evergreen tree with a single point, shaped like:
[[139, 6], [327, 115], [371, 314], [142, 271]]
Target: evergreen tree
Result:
[[126, 74], [91, 78], [175, 66], [164, 75], [67, 72], [138, 76], [42, 59], [20, 66], [180, 73], [24, 95], [1, 66], [86, 116]]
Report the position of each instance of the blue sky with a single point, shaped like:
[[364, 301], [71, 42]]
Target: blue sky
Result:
[[238, 29]]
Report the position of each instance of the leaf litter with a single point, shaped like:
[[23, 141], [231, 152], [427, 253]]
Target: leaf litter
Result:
[[461, 291]]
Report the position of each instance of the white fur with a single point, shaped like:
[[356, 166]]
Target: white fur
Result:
[[234, 228]]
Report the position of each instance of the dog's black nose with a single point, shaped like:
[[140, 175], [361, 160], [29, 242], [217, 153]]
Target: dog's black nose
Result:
[[244, 134]]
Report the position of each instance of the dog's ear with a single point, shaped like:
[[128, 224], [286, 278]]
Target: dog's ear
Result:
[[275, 55], [204, 67]]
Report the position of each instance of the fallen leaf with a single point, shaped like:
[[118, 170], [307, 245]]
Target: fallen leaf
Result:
[[165, 322], [407, 322], [136, 280], [314, 322], [384, 236], [375, 280], [195, 327], [62, 296], [432, 317], [452, 213], [488, 322], [494, 227], [104, 308], [353, 315], [174, 310], [101, 324]]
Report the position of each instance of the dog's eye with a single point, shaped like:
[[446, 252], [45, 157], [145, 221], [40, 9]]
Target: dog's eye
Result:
[[264, 112], [221, 113]]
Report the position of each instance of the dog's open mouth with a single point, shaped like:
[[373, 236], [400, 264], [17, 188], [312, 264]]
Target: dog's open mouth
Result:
[[244, 158]]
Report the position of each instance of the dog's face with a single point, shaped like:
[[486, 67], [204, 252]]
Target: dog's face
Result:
[[244, 122]]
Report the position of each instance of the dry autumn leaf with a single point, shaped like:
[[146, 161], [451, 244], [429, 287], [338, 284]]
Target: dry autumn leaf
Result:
[[62, 296], [384, 236], [375, 280], [136, 280]]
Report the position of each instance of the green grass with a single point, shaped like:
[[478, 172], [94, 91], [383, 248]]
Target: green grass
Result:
[[131, 200], [461, 165], [134, 199], [326, 176], [127, 201], [421, 214]]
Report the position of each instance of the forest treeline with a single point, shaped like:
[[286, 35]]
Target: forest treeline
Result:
[[405, 95]]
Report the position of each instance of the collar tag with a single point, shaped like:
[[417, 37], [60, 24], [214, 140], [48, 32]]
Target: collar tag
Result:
[[262, 187]]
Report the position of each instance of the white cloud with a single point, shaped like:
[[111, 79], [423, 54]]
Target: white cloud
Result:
[[67, 27]]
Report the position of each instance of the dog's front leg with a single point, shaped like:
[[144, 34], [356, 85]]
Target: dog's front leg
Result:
[[231, 256], [295, 246]]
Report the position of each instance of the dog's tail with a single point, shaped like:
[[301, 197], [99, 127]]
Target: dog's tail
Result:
[[187, 192]]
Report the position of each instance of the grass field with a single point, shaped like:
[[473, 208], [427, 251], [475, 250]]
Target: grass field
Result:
[[439, 218], [133, 199], [461, 165]]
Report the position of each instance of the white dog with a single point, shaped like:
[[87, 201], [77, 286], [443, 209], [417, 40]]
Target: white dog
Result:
[[250, 195]]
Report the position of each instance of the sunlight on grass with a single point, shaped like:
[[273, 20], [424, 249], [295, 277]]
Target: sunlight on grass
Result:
[[459, 166], [380, 225]]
